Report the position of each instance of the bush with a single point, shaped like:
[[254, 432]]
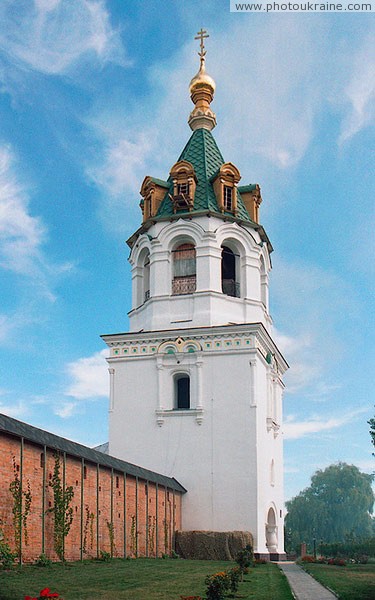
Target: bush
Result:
[[349, 549], [308, 558], [338, 562], [217, 585], [244, 559], [104, 556], [234, 576], [7, 557], [43, 561]]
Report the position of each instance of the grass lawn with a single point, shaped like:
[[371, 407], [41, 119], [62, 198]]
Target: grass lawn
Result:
[[142, 579], [353, 582]]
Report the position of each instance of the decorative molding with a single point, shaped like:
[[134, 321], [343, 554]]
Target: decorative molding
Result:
[[162, 414]]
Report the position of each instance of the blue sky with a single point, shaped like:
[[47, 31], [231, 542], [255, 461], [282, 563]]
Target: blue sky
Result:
[[93, 97]]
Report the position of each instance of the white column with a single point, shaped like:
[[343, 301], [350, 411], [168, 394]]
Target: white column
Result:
[[253, 382], [111, 389]]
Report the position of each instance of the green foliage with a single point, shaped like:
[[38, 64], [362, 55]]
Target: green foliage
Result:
[[336, 507], [234, 576], [105, 556], [349, 550], [21, 508], [111, 533], [371, 422], [244, 559], [217, 585], [61, 510], [43, 561], [7, 557]]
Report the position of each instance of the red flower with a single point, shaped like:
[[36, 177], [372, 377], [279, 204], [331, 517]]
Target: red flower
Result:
[[46, 593], [30, 598]]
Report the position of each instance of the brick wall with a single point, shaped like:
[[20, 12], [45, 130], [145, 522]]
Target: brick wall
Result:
[[113, 511]]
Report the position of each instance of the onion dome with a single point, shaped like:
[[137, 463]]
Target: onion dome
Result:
[[202, 89]]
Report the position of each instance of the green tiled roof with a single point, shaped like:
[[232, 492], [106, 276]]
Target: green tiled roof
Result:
[[203, 153]]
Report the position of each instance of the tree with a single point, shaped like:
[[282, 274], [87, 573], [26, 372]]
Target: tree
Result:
[[371, 422], [336, 507]]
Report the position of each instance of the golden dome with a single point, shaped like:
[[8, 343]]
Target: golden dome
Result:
[[202, 78]]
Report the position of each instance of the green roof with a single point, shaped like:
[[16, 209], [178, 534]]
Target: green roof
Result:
[[203, 153]]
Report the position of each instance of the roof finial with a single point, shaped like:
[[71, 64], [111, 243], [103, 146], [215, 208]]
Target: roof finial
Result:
[[202, 89], [202, 34]]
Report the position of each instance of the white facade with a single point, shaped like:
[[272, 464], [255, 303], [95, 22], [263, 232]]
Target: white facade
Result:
[[226, 446]]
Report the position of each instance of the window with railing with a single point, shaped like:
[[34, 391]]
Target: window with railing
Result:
[[229, 281], [184, 270]]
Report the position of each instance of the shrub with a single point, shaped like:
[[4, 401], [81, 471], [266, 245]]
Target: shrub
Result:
[[244, 559], [234, 576], [217, 585], [7, 557], [43, 561], [308, 558], [104, 556], [338, 562]]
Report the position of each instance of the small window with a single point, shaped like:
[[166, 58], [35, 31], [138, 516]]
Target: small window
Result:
[[183, 189], [84, 472], [228, 198], [117, 482], [182, 392]]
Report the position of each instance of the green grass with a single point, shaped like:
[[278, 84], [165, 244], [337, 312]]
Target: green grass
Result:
[[142, 579], [353, 582]]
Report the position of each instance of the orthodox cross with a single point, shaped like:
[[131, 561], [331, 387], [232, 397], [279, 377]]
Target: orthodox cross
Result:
[[202, 34]]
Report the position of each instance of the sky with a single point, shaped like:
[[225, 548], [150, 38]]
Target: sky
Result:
[[94, 97]]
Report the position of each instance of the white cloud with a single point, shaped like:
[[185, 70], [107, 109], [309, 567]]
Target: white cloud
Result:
[[16, 410], [306, 298], [51, 37], [89, 377], [360, 91], [121, 164], [294, 430], [22, 236], [65, 410]]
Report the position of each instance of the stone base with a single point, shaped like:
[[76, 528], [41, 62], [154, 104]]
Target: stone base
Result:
[[211, 545], [273, 556]]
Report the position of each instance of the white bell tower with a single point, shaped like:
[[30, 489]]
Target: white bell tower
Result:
[[196, 385]]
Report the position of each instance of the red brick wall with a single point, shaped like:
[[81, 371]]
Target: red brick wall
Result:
[[107, 507]]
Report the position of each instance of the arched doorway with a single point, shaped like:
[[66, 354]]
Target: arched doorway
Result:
[[271, 532]]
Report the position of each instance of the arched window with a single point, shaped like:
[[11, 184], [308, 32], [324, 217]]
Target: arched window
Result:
[[184, 270], [146, 278], [182, 391], [229, 277]]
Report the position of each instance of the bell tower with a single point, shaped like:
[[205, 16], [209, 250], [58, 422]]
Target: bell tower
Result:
[[196, 385]]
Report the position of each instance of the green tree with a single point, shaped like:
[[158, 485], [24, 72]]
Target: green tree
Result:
[[371, 422], [336, 507]]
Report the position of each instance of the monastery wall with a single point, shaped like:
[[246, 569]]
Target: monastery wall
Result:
[[113, 510]]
